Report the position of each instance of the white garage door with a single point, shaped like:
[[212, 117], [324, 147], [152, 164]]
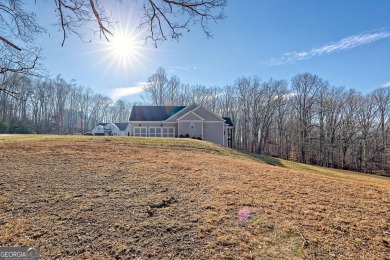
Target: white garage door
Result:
[[140, 131], [161, 131]]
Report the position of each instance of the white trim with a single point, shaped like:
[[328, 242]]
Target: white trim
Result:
[[214, 122], [180, 118], [192, 121], [151, 122]]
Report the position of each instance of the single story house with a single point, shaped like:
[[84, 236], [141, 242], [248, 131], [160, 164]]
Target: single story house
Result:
[[194, 121], [115, 129]]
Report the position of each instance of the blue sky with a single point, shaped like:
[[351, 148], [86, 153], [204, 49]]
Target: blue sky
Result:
[[344, 42]]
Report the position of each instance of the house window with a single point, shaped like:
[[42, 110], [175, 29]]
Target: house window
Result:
[[140, 131]]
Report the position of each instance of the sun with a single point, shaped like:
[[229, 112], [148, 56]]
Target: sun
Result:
[[124, 52], [123, 46]]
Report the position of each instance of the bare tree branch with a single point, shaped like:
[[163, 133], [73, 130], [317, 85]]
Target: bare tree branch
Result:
[[10, 43], [164, 18], [161, 16], [103, 29]]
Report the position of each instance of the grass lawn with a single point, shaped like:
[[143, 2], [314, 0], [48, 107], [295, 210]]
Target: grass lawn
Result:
[[152, 198], [329, 172]]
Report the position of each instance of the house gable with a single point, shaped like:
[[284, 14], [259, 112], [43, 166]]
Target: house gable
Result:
[[207, 115], [190, 116], [182, 112], [110, 126], [98, 129]]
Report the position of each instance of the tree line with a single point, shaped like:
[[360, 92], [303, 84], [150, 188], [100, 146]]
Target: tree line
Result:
[[306, 120], [55, 106]]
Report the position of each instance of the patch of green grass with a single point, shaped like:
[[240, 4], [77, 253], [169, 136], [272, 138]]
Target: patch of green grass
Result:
[[279, 242], [329, 172], [269, 160]]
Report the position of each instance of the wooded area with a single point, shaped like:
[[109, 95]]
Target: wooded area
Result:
[[307, 120], [44, 105]]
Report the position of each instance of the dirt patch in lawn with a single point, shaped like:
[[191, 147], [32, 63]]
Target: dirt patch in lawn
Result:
[[111, 198]]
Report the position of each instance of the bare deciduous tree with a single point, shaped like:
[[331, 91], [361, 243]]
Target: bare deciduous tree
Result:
[[382, 98], [17, 25], [163, 18], [156, 88], [305, 88], [160, 16]]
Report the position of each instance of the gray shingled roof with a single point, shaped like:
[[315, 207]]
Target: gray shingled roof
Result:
[[153, 113], [122, 126]]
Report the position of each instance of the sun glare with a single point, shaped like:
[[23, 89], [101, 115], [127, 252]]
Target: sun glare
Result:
[[123, 46], [124, 52], [124, 49]]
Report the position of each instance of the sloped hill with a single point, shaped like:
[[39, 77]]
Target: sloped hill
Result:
[[328, 172], [98, 197]]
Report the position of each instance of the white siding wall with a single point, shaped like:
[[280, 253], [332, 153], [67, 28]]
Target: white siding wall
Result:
[[98, 130]]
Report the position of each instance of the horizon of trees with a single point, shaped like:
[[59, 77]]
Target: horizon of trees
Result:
[[306, 120], [55, 106]]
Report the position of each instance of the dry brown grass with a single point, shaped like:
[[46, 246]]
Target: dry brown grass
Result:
[[83, 197]]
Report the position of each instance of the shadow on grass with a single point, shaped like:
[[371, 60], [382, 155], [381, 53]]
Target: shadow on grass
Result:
[[314, 169], [266, 159]]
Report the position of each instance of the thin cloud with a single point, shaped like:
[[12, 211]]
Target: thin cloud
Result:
[[118, 93], [385, 85], [344, 44], [182, 68]]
